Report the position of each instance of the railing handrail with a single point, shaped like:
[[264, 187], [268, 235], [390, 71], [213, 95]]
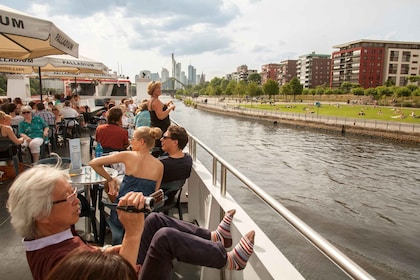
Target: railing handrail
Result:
[[331, 252]]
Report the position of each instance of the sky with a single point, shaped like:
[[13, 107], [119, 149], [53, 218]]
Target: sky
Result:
[[217, 36]]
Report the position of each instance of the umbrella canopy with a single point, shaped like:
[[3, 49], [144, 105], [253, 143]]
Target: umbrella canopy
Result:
[[23, 36], [52, 63]]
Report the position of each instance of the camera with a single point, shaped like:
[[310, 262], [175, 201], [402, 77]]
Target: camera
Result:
[[151, 202]]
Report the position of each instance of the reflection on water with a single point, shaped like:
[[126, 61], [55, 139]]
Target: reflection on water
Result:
[[362, 195]]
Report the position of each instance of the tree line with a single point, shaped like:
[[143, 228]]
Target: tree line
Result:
[[289, 91]]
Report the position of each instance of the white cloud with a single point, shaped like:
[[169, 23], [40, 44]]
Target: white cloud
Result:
[[217, 36]]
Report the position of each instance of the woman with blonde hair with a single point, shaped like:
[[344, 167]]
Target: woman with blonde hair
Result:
[[143, 172], [159, 111]]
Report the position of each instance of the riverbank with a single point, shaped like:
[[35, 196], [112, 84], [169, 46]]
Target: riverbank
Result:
[[352, 129]]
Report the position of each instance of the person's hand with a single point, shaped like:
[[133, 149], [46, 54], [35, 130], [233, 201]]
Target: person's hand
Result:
[[113, 187], [112, 249], [133, 222]]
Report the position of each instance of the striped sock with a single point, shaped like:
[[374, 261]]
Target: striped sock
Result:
[[239, 256], [222, 233]]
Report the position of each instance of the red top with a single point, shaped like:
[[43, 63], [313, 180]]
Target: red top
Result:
[[112, 136]]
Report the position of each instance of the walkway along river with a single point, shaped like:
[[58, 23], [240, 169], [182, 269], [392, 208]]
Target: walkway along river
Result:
[[361, 194]]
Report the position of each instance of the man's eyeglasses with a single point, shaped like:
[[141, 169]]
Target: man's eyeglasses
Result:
[[166, 137], [70, 198]]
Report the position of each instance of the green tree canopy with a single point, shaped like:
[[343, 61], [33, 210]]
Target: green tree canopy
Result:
[[255, 77], [271, 87]]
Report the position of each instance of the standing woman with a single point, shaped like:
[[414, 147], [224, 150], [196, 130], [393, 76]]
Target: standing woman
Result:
[[33, 129], [159, 112]]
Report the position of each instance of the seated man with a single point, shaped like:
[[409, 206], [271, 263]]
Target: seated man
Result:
[[176, 164], [43, 207], [111, 135]]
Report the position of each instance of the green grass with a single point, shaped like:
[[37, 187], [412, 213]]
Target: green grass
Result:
[[344, 110]]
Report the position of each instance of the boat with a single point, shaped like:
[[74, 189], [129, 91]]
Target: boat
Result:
[[206, 197]]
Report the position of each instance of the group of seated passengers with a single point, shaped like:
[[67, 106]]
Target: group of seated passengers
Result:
[[144, 172], [44, 207]]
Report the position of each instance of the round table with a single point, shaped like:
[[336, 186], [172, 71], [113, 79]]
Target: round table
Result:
[[87, 177]]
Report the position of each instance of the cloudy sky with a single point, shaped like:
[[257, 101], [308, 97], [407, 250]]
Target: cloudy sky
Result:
[[216, 36]]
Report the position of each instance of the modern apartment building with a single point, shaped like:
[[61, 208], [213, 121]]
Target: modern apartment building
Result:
[[286, 71], [314, 70], [269, 71], [241, 74], [372, 63]]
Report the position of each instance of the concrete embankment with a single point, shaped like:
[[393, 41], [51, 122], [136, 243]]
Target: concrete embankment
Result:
[[397, 136]]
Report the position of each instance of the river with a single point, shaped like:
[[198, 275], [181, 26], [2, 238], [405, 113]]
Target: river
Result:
[[363, 195]]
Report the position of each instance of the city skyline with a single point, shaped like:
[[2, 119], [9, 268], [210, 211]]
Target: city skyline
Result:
[[218, 36]]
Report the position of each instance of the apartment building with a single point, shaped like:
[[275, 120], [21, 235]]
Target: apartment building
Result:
[[314, 70], [372, 63], [241, 74], [287, 71], [269, 71]]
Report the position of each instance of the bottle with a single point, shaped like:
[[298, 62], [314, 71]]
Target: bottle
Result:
[[130, 132], [98, 150]]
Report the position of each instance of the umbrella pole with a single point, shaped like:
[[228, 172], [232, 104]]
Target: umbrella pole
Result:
[[40, 82]]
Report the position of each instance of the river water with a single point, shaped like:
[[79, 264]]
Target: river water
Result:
[[363, 195]]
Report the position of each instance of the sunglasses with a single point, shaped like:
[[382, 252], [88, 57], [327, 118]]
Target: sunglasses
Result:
[[26, 112]]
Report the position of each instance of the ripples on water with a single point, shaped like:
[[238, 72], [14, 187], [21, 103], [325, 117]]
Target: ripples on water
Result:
[[366, 186]]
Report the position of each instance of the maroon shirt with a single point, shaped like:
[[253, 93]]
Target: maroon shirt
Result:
[[44, 253]]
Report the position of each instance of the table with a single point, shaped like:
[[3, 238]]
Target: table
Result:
[[87, 178]]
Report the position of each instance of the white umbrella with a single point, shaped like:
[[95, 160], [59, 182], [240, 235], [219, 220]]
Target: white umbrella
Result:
[[52, 63], [23, 36]]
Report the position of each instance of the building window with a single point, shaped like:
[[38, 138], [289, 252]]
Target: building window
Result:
[[394, 56], [404, 69], [406, 56]]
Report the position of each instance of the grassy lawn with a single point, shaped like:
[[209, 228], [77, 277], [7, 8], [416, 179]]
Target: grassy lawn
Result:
[[344, 110]]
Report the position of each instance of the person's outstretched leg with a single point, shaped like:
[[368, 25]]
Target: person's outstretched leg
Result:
[[222, 233], [169, 243], [239, 256], [156, 221]]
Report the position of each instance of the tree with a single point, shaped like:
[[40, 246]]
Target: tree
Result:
[[286, 89], [271, 87], [230, 88], [346, 86], [297, 88], [253, 89], [240, 88], [358, 91], [255, 77], [3, 84]]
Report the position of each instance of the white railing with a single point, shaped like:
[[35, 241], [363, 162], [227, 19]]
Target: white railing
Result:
[[208, 198]]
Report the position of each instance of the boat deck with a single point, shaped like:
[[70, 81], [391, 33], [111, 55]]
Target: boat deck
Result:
[[14, 264]]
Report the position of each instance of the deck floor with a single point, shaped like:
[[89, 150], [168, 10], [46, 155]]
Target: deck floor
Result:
[[14, 264]]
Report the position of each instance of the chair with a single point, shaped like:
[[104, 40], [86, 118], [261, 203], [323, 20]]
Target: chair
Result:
[[173, 191], [6, 148], [53, 136], [87, 209]]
